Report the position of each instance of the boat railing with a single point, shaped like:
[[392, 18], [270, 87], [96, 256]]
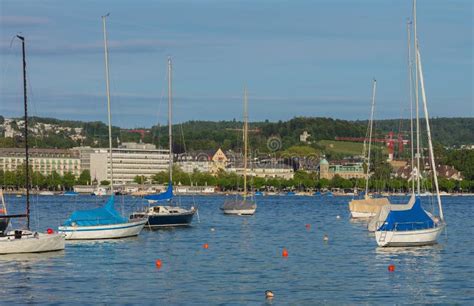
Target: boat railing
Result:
[[406, 226]]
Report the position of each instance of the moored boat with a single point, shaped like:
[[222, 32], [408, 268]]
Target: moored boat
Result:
[[104, 222], [409, 224], [166, 215], [368, 207], [24, 240], [246, 205]]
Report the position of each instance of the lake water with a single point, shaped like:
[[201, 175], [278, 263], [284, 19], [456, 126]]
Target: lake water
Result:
[[244, 259]]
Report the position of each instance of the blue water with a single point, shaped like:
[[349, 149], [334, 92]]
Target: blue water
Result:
[[244, 259]]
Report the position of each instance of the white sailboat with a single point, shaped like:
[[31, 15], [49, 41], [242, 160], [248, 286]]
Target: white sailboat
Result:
[[368, 207], [409, 224], [24, 240], [167, 215], [103, 222], [245, 206]]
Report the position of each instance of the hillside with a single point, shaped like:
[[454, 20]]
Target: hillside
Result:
[[209, 135]]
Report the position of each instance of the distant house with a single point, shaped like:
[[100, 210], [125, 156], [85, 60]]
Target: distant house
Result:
[[194, 161], [304, 137], [444, 171], [264, 170], [345, 170]]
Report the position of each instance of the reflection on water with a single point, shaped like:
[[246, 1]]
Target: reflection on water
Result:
[[29, 257], [244, 258]]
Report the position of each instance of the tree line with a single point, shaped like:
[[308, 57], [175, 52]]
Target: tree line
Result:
[[54, 181], [302, 181]]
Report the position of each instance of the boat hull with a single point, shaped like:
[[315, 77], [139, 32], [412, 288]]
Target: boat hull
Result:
[[408, 238], [31, 243], [362, 215], [170, 220], [239, 212], [112, 231]]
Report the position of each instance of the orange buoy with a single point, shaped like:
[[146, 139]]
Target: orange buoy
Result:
[[284, 253], [308, 226], [50, 231], [158, 263], [205, 246], [391, 268]]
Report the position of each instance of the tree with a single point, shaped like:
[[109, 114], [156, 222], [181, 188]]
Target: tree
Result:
[[54, 181], [84, 178], [140, 179], [69, 180], [104, 183]]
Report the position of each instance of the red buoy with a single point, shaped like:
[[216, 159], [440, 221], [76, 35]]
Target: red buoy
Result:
[[391, 268], [205, 246], [284, 253], [308, 226], [158, 263], [50, 231]]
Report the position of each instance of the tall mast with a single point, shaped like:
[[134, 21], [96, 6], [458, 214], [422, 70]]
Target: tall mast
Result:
[[106, 54], [410, 85], [245, 140], [25, 103], [428, 131], [418, 152], [372, 109], [170, 130]]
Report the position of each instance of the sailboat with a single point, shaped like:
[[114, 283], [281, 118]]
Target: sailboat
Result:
[[103, 222], [245, 206], [368, 207], [25, 240], [409, 224], [166, 215]]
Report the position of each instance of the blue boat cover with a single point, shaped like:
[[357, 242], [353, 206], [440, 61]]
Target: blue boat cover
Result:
[[167, 195], [415, 218], [104, 215]]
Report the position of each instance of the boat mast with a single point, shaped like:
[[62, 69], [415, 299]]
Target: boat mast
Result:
[[170, 130], [428, 132], [106, 54], [410, 85], [372, 109], [245, 141], [417, 106], [27, 166]]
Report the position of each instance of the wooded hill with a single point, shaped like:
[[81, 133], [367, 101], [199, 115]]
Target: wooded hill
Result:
[[210, 135]]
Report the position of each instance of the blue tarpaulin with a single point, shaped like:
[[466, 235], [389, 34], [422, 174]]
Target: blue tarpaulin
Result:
[[104, 215], [167, 195], [414, 218]]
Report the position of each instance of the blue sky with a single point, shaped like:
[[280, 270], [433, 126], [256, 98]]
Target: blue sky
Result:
[[297, 58]]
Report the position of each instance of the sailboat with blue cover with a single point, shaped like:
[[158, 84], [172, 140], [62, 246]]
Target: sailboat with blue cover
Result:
[[409, 224], [103, 222], [166, 215]]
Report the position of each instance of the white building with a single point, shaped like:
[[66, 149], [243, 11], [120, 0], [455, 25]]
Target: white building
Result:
[[129, 160], [264, 170], [45, 161]]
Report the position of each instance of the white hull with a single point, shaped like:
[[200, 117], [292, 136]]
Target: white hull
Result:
[[408, 238], [362, 215], [240, 212], [33, 242], [113, 231]]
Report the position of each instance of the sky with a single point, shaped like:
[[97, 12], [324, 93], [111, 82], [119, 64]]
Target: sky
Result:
[[297, 58]]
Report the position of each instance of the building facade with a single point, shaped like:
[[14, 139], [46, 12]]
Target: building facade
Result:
[[346, 171], [45, 161], [128, 161]]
